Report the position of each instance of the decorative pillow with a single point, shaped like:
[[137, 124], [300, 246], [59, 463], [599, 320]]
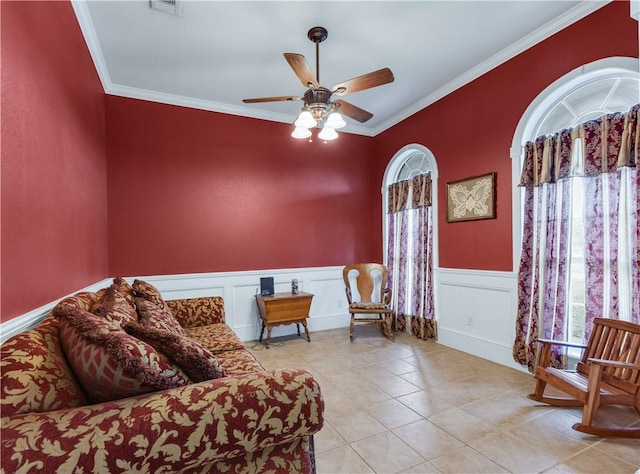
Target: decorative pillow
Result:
[[117, 306], [34, 375], [196, 361], [152, 316], [109, 363], [148, 292], [83, 300], [125, 288]]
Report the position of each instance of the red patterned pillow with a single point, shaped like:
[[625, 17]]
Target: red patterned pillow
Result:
[[109, 363], [196, 361], [34, 375], [84, 300], [125, 288], [153, 316], [148, 292], [117, 306]]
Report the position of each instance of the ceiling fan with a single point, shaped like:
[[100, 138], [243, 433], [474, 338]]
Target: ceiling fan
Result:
[[317, 100]]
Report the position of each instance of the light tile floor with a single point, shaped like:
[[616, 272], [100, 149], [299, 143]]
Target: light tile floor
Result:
[[406, 405]]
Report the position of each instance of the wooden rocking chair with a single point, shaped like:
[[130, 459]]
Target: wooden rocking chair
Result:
[[374, 305], [607, 374]]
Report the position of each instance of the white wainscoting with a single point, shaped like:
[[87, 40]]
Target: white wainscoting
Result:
[[328, 309], [476, 312], [475, 309]]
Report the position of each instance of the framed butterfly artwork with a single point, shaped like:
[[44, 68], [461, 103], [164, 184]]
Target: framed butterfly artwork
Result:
[[472, 198]]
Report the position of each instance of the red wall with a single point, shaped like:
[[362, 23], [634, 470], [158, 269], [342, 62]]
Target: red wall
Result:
[[188, 191], [196, 191], [470, 131], [54, 194]]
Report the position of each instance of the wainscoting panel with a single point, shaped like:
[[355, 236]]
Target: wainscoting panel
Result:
[[475, 309], [476, 312], [328, 310]]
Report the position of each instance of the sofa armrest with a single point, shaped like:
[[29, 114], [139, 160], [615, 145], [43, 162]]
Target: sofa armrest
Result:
[[169, 431], [193, 312]]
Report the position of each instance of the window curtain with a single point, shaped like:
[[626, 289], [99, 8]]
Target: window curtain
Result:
[[410, 256], [603, 153]]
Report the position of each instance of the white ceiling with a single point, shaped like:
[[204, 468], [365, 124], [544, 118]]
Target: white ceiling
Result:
[[217, 53]]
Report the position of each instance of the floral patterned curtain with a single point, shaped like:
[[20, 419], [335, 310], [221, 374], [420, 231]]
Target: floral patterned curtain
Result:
[[603, 153], [410, 255]]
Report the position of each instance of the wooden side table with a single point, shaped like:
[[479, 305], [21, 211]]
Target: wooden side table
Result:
[[284, 308]]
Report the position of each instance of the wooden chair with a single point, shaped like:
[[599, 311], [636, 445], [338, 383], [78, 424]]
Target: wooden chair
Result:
[[607, 374], [375, 296]]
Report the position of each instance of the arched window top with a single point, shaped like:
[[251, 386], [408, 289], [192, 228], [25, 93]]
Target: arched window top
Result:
[[588, 92], [411, 160], [408, 162], [590, 101]]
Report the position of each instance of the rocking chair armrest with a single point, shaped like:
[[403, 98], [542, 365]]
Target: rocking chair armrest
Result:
[[562, 343], [614, 363]]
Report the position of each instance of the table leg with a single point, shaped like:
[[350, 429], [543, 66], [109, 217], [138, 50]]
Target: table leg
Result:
[[261, 331], [298, 326], [306, 330], [269, 328]]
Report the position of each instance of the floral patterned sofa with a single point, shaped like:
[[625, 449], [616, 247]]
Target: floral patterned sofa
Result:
[[122, 381]]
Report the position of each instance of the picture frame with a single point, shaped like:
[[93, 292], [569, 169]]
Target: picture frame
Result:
[[472, 198]]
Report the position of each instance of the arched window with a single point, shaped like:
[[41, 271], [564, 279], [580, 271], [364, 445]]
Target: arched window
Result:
[[408, 162], [567, 200], [409, 203]]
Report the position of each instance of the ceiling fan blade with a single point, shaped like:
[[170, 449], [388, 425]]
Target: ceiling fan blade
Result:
[[367, 81], [350, 110], [271, 99], [300, 66]]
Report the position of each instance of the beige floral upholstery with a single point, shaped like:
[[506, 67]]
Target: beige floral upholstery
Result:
[[216, 337], [248, 421], [238, 362], [215, 423], [198, 312], [34, 376]]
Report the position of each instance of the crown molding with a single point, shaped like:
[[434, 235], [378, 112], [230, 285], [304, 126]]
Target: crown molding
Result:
[[577, 13], [86, 25]]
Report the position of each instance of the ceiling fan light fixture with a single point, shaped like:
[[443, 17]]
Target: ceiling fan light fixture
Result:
[[318, 107], [301, 132], [305, 120], [335, 121], [327, 134]]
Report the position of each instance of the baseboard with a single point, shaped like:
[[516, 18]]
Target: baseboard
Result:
[[485, 348]]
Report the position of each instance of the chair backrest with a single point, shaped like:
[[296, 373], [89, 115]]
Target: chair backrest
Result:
[[370, 279], [612, 339]]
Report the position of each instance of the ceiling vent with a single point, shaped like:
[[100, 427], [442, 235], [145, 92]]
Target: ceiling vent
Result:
[[173, 7]]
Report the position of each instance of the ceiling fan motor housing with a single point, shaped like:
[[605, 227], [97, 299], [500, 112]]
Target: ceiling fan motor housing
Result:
[[319, 95]]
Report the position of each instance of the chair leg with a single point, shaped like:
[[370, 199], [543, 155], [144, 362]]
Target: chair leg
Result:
[[387, 326], [593, 397], [351, 327], [538, 393]]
